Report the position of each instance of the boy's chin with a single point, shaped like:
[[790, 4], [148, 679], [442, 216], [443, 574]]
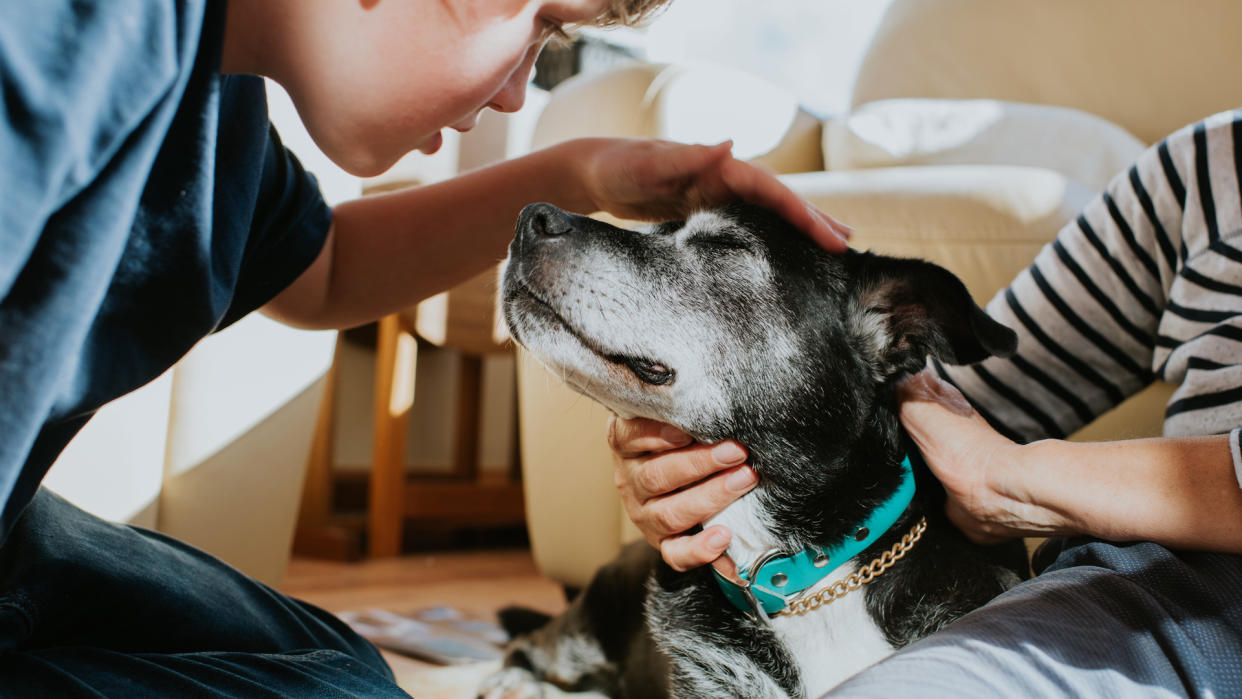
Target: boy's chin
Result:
[[361, 160], [431, 145], [362, 163]]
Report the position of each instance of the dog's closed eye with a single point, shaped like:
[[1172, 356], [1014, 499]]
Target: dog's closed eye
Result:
[[718, 243], [648, 371]]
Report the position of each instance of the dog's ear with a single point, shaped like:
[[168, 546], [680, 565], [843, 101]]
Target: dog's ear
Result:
[[925, 310]]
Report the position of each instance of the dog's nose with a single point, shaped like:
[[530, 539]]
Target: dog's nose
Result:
[[542, 221]]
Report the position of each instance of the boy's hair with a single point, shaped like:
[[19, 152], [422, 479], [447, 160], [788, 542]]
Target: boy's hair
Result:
[[627, 13]]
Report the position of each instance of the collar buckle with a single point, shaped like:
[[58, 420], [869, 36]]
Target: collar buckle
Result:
[[742, 581]]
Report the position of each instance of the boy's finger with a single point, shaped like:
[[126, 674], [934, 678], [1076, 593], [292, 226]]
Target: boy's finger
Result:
[[822, 231], [766, 188], [691, 160], [756, 186], [839, 228], [690, 551]]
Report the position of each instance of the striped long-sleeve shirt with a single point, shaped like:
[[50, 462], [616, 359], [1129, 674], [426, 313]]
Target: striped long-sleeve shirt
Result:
[[1145, 284]]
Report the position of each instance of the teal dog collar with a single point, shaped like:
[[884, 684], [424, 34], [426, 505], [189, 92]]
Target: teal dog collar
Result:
[[767, 585]]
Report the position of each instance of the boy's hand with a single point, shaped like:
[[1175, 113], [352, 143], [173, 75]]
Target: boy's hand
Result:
[[660, 180], [669, 484]]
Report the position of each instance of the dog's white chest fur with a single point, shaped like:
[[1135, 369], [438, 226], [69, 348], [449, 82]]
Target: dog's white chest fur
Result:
[[832, 643], [829, 644]]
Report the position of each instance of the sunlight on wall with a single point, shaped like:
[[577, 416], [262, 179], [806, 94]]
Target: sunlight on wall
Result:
[[239, 433], [114, 467], [810, 47], [235, 380]]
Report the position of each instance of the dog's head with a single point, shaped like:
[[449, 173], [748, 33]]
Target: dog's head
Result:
[[732, 321]]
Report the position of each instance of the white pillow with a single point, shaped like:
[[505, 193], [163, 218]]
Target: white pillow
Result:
[[899, 132], [708, 103]]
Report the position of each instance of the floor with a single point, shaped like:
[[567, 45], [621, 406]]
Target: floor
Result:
[[477, 582]]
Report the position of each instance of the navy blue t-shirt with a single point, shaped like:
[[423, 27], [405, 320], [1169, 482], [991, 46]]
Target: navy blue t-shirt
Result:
[[145, 201]]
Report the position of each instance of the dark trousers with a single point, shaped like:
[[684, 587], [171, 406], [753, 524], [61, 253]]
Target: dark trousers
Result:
[[92, 608]]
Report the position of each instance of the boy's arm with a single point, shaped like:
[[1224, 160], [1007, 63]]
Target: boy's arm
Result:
[[390, 251]]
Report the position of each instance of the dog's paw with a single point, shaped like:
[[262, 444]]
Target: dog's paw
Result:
[[511, 683]]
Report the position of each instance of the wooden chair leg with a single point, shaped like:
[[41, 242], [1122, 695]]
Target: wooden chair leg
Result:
[[395, 357], [467, 424], [318, 534], [317, 492], [515, 452]]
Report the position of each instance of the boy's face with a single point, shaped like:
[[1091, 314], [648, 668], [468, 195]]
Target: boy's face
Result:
[[375, 79]]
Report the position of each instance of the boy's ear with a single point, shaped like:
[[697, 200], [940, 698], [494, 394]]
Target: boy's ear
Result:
[[925, 310]]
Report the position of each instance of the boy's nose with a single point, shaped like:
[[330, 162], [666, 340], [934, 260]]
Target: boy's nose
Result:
[[541, 222], [512, 95], [510, 98]]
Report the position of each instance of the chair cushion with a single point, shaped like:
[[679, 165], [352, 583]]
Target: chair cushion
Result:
[[899, 132], [984, 222]]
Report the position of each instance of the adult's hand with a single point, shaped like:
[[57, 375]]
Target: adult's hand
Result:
[[975, 463], [662, 180], [669, 484]]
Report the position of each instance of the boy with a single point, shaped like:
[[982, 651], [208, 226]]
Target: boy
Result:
[[146, 202]]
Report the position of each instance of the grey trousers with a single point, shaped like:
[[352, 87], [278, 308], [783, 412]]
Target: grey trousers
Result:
[[1101, 620]]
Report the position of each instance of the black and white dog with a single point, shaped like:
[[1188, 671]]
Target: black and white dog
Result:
[[734, 325]]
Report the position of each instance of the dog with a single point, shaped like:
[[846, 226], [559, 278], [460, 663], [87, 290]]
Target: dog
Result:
[[734, 325]]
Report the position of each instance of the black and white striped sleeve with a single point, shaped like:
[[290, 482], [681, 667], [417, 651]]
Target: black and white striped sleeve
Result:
[[1146, 283]]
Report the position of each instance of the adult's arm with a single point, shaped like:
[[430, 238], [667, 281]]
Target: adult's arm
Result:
[[1179, 492]]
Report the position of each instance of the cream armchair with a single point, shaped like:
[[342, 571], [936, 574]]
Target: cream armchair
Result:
[[976, 130]]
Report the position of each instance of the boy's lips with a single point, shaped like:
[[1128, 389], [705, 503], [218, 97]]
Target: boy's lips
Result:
[[431, 145]]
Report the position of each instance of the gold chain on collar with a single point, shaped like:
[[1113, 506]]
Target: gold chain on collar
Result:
[[860, 577]]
